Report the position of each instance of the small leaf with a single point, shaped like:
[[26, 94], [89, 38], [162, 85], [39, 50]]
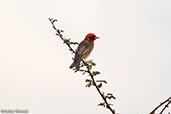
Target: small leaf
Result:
[[110, 96], [87, 80], [100, 85], [110, 104], [90, 62], [104, 81], [83, 71], [95, 73], [62, 30], [74, 43], [67, 41], [93, 63], [90, 82], [89, 67], [60, 35], [88, 85], [101, 104]]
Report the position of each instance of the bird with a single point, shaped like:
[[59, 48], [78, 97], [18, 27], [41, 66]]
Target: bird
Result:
[[83, 50]]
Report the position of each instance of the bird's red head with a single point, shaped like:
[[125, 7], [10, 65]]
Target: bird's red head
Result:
[[91, 37]]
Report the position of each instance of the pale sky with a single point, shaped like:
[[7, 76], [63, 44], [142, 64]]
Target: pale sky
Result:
[[133, 55]]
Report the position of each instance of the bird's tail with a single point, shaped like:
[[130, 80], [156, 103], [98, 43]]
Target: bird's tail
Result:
[[76, 63]]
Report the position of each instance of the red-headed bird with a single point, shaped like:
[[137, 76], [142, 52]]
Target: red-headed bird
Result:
[[84, 49]]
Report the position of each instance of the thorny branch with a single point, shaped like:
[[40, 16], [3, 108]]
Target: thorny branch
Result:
[[92, 74], [168, 101], [103, 97]]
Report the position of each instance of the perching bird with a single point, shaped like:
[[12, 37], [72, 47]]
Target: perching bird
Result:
[[84, 49]]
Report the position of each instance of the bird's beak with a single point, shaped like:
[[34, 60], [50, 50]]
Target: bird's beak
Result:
[[96, 37]]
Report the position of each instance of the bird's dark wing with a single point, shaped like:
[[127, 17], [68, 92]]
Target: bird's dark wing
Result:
[[84, 48]]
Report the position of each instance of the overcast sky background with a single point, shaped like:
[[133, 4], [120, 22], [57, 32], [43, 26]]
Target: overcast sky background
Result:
[[133, 55]]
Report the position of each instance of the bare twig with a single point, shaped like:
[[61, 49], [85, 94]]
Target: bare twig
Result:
[[58, 32], [168, 101], [167, 105]]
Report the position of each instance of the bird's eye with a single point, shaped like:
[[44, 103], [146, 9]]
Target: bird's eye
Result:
[[92, 37]]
